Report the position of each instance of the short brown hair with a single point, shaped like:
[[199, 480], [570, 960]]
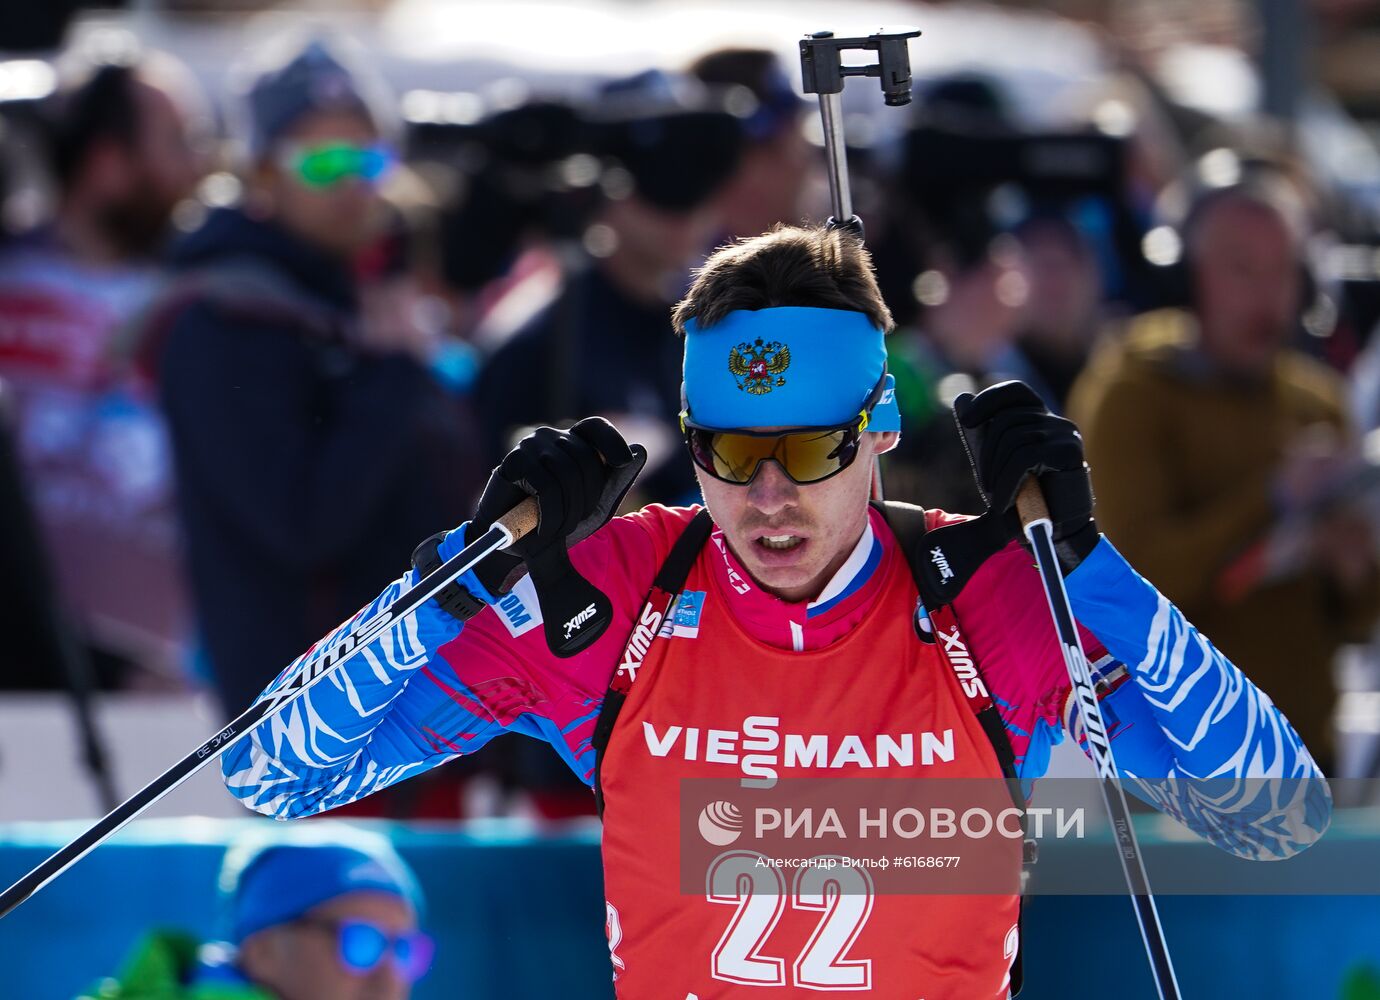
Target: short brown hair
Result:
[[788, 266]]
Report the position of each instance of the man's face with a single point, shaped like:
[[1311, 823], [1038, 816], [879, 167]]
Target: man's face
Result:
[[172, 160], [341, 218], [982, 306], [1246, 280], [768, 185], [301, 961], [791, 539], [139, 184], [1064, 287], [656, 248]]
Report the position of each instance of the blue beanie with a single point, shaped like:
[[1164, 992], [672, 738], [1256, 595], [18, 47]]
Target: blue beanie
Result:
[[314, 81], [270, 883]]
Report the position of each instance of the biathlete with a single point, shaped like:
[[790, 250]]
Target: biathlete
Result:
[[792, 609]]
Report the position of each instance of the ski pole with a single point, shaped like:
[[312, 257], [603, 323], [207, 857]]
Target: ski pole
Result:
[[1039, 530], [504, 532]]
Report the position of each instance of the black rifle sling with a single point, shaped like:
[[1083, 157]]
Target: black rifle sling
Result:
[[907, 523], [666, 588], [980, 539]]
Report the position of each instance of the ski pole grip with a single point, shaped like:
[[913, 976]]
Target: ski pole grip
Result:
[[521, 519], [1030, 502]]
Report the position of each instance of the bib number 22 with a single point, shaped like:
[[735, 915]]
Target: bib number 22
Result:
[[842, 895]]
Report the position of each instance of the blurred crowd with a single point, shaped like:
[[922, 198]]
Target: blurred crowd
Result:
[[257, 345]]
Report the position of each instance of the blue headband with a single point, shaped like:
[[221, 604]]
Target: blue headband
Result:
[[788, 366]]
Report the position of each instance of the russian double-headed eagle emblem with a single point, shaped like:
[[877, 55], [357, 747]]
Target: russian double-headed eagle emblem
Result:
[[754, 365]]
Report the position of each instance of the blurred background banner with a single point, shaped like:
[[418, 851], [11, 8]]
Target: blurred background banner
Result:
[[244, 243]]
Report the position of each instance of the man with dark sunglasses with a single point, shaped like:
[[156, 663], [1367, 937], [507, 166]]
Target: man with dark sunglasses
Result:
[[791, 629], [312, 918]]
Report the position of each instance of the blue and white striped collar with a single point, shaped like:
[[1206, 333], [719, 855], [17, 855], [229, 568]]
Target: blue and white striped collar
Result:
[[856, 570]]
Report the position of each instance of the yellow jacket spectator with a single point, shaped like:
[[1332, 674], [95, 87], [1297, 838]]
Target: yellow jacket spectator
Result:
[[1212, 480]]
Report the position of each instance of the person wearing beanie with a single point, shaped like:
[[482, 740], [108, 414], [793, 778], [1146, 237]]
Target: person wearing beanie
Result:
[[308, 918], [272, 373], [315, 145]]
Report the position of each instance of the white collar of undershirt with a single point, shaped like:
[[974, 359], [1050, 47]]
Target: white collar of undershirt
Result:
[[855, 571]]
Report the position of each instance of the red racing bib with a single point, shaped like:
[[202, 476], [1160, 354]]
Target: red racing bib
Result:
[[703, 690]]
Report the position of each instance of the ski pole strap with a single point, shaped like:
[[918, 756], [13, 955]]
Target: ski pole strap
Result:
[[455, 599], [656, 612]]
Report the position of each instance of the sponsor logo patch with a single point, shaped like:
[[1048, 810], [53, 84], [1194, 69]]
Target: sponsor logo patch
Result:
[[519, 610], [735, 581], [924, 625], [961, 660], [685, 622], [640, 641], [941, 563], [761, 750], [574, 625]]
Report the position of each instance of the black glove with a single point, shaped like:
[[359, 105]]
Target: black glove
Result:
[[1009, 434], [579, 477]]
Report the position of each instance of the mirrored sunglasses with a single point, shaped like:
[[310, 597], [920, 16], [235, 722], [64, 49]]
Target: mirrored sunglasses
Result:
[[806, 454], [361, 946], [327, 165]]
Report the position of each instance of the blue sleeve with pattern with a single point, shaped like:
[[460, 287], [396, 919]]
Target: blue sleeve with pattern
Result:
[[369, 723], [1193, 736]]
